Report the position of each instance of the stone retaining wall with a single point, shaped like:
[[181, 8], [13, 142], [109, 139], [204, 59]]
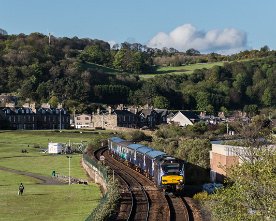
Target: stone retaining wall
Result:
[[95, 175]]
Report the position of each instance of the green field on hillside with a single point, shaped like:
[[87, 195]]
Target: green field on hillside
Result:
[[43, 202], [187, 69], [99, 68]]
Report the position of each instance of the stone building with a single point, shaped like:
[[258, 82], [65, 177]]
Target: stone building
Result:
[[114, 118]]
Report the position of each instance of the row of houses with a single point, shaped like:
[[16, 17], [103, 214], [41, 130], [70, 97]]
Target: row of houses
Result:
[[133, 118], [27, 118]]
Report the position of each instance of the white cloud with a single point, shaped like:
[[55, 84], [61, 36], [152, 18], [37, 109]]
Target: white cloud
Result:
[[184, 37]]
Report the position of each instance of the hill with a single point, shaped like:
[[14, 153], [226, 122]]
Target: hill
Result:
[[81, 73], [185, 69]]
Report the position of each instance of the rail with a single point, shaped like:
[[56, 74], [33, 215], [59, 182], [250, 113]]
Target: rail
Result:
[[132, 214]]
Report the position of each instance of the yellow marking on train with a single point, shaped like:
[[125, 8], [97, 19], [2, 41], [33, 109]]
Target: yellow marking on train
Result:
[[172, 179]]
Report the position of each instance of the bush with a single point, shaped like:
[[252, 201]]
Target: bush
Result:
[[136, 136], [201, 196], [36, 145], [108, 205]]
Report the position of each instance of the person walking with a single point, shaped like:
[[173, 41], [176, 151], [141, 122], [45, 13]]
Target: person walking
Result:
[[21, 189]]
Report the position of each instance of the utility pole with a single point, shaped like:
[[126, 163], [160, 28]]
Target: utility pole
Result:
[[60, 119], [69, 179]]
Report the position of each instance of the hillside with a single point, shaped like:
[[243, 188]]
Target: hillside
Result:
[[82, 73], [185, 69]]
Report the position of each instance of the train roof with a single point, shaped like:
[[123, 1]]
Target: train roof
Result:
[[116, 139], [144, 149], [135, 146], [155, 153]]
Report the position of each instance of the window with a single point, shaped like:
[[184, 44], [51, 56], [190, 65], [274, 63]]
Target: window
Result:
[[86, 118], [78, 118]]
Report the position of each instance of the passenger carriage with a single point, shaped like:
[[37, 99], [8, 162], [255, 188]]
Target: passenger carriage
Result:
[[166, 171]]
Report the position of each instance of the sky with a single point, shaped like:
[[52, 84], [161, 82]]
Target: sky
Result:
[[218, 26]]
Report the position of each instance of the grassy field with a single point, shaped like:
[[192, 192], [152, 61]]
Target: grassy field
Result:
[[100, 68], [43, 202], [187, 69]]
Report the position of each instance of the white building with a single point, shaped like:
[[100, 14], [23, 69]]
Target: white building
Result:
[[83, 121], [184, 118], [54, 148]]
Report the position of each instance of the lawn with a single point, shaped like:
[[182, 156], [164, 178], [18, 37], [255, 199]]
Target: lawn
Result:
[[43, 202], [187, 69]]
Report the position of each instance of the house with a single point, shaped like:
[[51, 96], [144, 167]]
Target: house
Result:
[[162, 116], [83, 121], [184, 118], [3, 121], [147, 118], [52, 118], [7, 98], [20, 118], [114, 118]]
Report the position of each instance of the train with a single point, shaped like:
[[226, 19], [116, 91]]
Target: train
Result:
[[167, 172]]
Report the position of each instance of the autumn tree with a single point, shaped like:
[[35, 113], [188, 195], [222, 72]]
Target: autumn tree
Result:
[[251, 190]]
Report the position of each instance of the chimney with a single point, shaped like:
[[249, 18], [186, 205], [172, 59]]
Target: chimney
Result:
[[33, 107], [109, 110], [59, 106], [98, 110]]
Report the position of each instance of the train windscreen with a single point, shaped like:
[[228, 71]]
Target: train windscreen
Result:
[[171, 169]]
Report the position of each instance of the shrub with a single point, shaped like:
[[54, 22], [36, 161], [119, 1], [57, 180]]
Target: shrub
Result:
[[201, 196], [36, 145], [108, 204]]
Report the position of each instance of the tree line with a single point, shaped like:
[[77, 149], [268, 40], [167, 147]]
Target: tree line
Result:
[[54, 70]]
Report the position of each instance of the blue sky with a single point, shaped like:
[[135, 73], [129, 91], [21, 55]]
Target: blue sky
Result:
[[216, 25]]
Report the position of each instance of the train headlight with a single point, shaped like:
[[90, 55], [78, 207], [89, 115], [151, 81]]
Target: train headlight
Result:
[[180, 181]]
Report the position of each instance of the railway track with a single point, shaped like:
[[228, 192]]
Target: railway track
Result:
[[178, 208], [141, 200], [131, 188]]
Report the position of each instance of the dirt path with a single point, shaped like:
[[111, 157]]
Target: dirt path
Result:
[[45, 180]]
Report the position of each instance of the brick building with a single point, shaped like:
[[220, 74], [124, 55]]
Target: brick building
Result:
[[222, 157]]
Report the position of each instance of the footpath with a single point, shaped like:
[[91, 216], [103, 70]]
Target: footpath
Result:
[[45, 180]]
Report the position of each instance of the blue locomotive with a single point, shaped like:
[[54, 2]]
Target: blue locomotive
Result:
[[165, 171]]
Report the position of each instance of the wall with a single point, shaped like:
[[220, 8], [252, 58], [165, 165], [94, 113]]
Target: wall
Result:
[[104, 121], [94, 174]]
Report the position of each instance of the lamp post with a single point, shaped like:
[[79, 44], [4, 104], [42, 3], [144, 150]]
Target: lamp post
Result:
[[69, 157], [60, 120]]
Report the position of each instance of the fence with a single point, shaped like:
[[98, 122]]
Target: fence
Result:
[[108, 203], [96, 166]]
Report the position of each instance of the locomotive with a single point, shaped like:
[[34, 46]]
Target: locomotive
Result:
[[165, 171]]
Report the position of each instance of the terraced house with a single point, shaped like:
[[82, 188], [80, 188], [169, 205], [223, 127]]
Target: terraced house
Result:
[[27, 118]]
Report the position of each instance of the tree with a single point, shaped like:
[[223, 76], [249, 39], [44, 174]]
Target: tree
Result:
[[161, 102], [251, 109], [251, 191], [196, 154], [267, 98], [192, 51], [202, 100], [195, 151], [53, 101]]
